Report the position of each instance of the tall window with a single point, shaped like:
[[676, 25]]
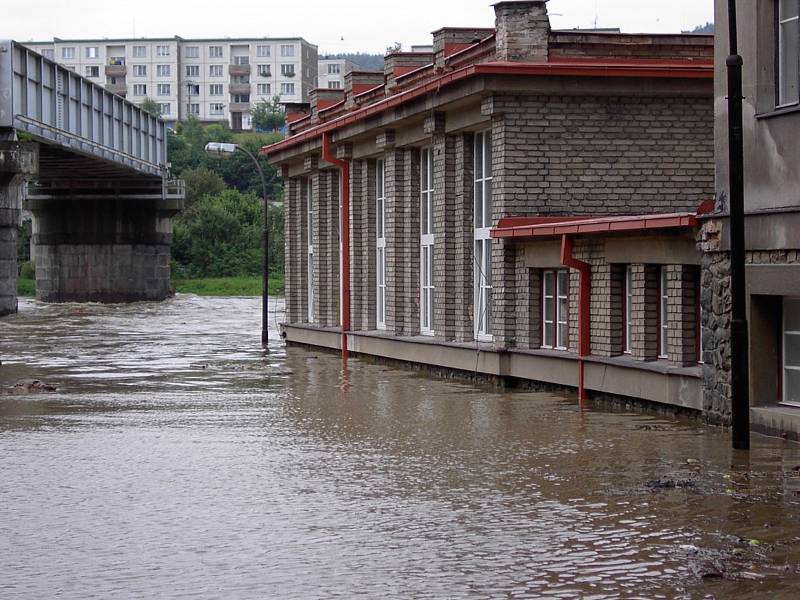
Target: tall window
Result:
[[140, 70], [334, 69], [263, 89], [663, 314], [310, 229], [215, 70], [287, 70], [263, 51], [380, 234], [426, 242], [193, 71], [92, 71], [791, 351], [627, 317], [163, 70], [163, 89], [287, 89], [68, 53], [555, 309], [217, 108], [483, 243], [194, 109], [264, 71], [241, 60], [215, 89], [140, 90], [788, 51], [215, 51], [166, 108], [287, 50]]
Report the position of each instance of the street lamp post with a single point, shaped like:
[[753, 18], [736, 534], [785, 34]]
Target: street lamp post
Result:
[[740, 377], [225, 151]]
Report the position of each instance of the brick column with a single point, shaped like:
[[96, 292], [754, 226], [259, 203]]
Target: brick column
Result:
[[644, 314], [444, 229], [504, 292], [319, 185], [332, 246], [368, 235], [358, 281], [395, 239], [464, 240], [682, 314], [409, 272], [606, 309], [292, 240], [302, 248], [528, 306]]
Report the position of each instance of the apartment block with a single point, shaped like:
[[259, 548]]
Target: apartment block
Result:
[[332, 72], [214, 80]]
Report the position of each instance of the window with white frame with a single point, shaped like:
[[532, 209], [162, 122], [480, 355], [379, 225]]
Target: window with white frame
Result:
[[241, 60], [287, 70], [217, 108], [163, 89], [627, 317], [163, 70], [162, 50], [68, 53], [192, 52], [334, 85], [92, 52], [165, 108], [140, 89], [287, 50], [663, 314], [555, 309], [380, 235], [193, 71], [92, 71], [215, 70], [193, 89], [140, 70], [194, 108], [264, 71], [334, 69], [263, 89], [483, 243], [791, 351], [139, 51], [311, 276], [215, 89], [427, 241], [215, 51], [788, 52], [263, 51], [287, 89]]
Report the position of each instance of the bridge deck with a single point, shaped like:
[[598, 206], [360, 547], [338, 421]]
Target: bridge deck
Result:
[[73, 117]]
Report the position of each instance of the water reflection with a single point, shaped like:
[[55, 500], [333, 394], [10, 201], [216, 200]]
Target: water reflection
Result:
[[178, 459]]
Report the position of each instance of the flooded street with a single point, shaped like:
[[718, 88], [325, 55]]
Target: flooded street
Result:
[[177, 460]]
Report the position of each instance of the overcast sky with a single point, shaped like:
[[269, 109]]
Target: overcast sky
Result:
[[335, 26]]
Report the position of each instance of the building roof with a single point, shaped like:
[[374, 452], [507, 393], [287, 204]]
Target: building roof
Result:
[[544, 227]]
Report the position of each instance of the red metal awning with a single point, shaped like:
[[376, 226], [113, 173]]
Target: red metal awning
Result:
[[533, 227]]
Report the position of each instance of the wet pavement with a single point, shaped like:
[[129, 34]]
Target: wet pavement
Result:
[[176, 459]]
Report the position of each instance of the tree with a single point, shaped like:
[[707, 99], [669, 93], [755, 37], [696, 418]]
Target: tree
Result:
[[268, 115], [200, 182], [149, 105]]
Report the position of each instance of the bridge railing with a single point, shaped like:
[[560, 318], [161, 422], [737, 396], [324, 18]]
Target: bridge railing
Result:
[[56, 105]]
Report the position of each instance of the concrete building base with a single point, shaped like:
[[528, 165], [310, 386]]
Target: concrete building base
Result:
[[110, 250], [623, 377], [8, 269]]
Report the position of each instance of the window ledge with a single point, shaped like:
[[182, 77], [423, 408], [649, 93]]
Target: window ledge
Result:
[[777, 112]]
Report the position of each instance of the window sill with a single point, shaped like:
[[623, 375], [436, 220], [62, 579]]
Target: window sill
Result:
[[777, 112]]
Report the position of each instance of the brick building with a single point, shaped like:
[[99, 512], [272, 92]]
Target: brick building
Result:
[[520, 202]]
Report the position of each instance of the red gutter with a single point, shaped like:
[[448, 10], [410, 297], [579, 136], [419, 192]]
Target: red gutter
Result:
[[344, 166], [584, 68], [584, 305], [522, 227]]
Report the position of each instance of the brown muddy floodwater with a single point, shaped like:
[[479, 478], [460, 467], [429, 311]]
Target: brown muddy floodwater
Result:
[[177, 460]]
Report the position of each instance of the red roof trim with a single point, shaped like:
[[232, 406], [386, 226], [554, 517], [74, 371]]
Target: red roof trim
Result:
[[583, 68], [536, 227]]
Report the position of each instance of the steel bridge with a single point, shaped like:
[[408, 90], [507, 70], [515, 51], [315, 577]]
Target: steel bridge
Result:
[[92, 169]]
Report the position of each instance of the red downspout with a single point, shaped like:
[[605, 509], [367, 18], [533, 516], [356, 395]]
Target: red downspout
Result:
[[344, 167], [584, 322]]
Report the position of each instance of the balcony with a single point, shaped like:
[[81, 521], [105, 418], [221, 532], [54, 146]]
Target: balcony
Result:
[[239, 89], [239, 107], [239, 70], [120, 89], [116, 70]]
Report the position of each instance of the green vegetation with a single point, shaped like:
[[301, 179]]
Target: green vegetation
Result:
[[218, 235], [26, 287], [268, 115], [367, 62], [151, 106], [230, 286]]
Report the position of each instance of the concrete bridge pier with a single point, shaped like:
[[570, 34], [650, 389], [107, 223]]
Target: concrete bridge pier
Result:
[[18, 162], [107, 249]]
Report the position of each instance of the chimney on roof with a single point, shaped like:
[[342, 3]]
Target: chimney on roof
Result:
[[449, 40], [400, 63], [358, 82], [323, 98], [523, 29]]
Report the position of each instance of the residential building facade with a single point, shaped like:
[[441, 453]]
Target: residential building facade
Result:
[[519, 203], [769, 38], [211, 79], [332, 72]]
